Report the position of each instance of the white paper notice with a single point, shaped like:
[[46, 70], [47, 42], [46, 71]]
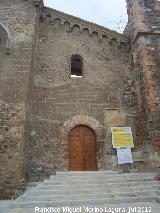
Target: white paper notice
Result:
[[124, 155]]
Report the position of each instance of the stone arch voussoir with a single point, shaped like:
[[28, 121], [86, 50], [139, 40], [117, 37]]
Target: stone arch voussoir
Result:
[[82, 120]]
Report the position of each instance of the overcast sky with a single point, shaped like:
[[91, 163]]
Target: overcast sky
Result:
[[109, 13]]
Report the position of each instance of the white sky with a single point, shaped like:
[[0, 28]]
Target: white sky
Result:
[[109, 13]]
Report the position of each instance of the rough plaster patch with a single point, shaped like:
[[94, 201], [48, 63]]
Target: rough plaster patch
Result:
[[138, 156], [114, 117]]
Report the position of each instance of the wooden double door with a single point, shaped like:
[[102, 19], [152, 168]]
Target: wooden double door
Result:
[[82, 149]]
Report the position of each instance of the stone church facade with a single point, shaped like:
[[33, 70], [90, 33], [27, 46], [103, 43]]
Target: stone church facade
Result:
[[64, 79]]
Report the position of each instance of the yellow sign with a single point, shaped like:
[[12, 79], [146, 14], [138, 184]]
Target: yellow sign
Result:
[[122, 137], [120, 129]]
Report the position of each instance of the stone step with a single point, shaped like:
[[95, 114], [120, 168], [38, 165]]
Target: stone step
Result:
[[4, 204], [30, 185], [85, 173], [85, 182], [72, 189], [82, 202], [86, 177], [96, 186], [100, 173], [37, 192], [91, 208], [65, 198], [98, 181]]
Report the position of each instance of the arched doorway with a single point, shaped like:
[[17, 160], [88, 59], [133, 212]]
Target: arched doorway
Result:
[[82, 149]]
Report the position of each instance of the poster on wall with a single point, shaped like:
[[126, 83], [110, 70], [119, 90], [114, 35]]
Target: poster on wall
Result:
[[122, 137], [124, 155], [121, 129]]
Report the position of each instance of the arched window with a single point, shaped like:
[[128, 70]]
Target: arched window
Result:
[[76, 66], [5, 39]]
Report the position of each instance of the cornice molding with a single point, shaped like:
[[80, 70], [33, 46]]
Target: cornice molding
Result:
[[46, 11]]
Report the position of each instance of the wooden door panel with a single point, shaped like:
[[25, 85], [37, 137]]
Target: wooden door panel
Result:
[[76, 162], [76, 157], [82, 149], [90, 156]]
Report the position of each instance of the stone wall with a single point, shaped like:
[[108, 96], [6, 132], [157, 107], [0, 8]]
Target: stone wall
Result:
[[143, 16], [17, 20], [12, 161], [144, 31], [147, 64], [55, 97], [40, 102]]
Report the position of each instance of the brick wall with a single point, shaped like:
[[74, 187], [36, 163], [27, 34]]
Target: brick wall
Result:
[[143, 28]]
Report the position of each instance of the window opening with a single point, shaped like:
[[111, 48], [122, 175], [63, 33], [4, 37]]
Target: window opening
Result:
[[76, 66]]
